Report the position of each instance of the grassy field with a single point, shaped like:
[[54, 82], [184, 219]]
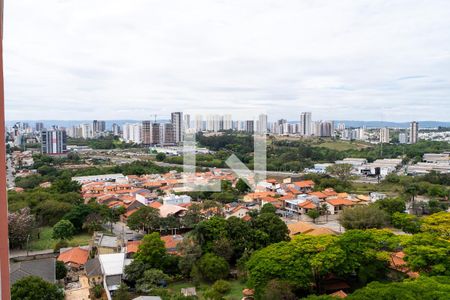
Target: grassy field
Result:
[[388, 188], [46, 242], [234, 294], [342, 145]]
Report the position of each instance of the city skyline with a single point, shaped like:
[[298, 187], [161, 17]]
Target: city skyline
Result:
[[369, 61]]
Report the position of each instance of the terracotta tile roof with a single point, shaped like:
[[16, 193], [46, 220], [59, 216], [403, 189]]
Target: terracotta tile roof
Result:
[[171, 242], [115, 204], [133, 246], [75, 256], [153, 184], [288, 197], [246, 218], [270, 199], [319, 195], [299, 227], [129, 213], [237, 208], [258, 195], [330, 192], [307, 205], [293, 191], [398, 263], [339, 294], [309, 229], [155, 204], [340, 201], [305, 183]]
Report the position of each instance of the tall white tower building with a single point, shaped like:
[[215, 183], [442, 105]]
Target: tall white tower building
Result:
[[305, 124]]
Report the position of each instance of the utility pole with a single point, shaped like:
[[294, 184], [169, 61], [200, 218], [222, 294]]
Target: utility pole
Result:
[[4, 242]]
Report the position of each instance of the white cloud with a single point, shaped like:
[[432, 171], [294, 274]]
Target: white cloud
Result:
[[86, 59]]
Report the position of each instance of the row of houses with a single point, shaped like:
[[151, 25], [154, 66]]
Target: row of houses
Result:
[[103, 262]]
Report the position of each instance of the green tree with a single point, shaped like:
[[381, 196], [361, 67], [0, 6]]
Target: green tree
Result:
[[146, 219], [63, 230], [213, 267], [428, 253], [78, 215], [152, 279], [35, 288], [268, 208], [207, 231], [61, 270], [241, 186], [303, 261], [152, 251], [313, 214], [406, 222], [221, 286], [437, 287], [93, 222], [391, 205], [438, 223], [363, 217], [277, 289], [66, 185], [341, 171], [160, 156], [122, 293], [97, 291], [367, 253], [270, 224], [189, 252]]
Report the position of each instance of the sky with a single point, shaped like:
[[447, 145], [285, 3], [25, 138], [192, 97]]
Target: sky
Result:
[[131, 59]]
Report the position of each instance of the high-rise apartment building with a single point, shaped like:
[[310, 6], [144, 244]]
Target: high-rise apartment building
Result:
[[402, 138], [227, 122], [132, 133], [177, 122], [115, 129], [167, 134], [98, 126], [147, 133], [53, 142], [39, 126], [305, 124], [86, 131], [261, 124], [187, 121], [199, 123], [385, 135], [414, 132], [249, 126]]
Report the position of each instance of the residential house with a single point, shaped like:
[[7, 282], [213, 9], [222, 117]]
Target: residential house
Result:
[[43, 268], [74, 258], [105, 243], [93, 270], [113, 271]]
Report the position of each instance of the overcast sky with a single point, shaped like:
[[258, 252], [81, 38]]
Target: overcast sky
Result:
[[129, 59]]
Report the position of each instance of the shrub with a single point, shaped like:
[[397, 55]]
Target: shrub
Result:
[[221, 286]]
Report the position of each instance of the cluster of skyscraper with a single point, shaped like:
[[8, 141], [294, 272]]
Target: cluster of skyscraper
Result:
[[156, 133], [91, 130], [152, 133]]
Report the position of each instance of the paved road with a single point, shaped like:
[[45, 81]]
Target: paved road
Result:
[[119, 229]]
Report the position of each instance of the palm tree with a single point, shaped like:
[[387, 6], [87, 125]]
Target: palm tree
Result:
[[412, 191]]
